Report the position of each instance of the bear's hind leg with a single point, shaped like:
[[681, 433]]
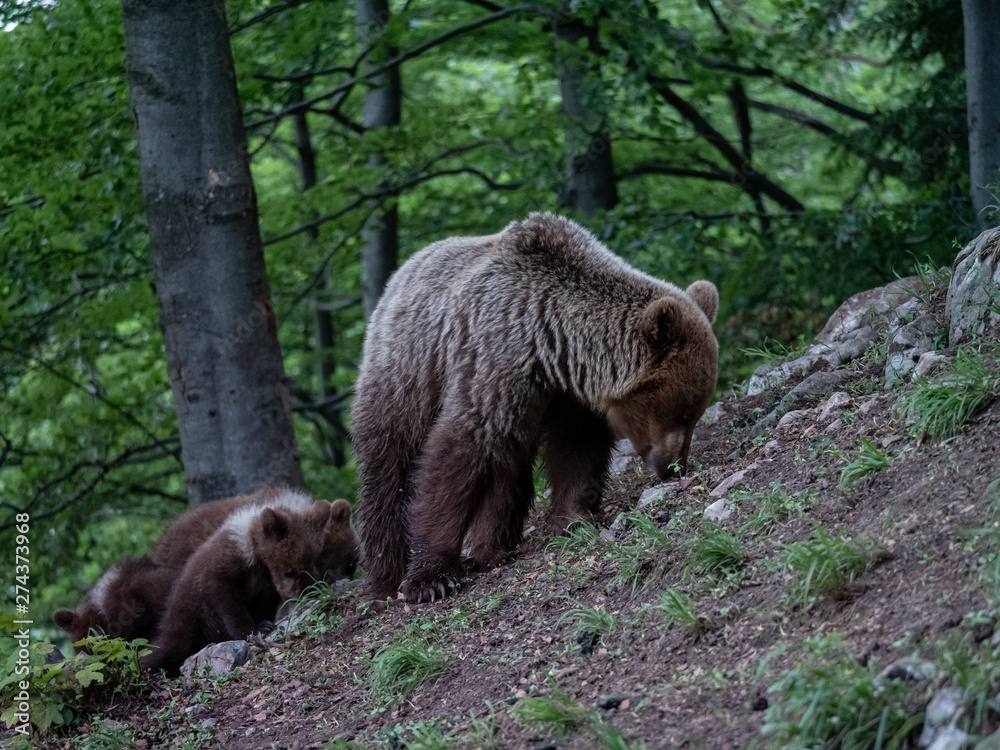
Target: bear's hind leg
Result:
[[497, 528], [577, 449], [448, 490]]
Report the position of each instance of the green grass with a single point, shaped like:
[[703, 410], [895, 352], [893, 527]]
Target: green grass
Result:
[[942, 406], [312, 609], [589, 621], [677, 609], [824, 566], [558, 714], [582, 538], [715, 551], [776, 507], [643, 543], [399, 668], [828, 700], [868, 459]]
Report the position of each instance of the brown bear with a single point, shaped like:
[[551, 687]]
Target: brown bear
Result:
[[484, 349], [127, 602], [182, 537], [238, 578]]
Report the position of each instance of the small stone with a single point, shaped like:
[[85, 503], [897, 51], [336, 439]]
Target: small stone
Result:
[[940, 715], [834, 426], [621, 455], [208, 723], [833, 406], [989, 743], [732, 480], [867, 406], [949, 738], [929, 363], [974, 287], [714, 413], [218, 657], [196, 710], [607, 535], [911, 668], [771, 448], [719, 511], [665, 491], [791, 419]]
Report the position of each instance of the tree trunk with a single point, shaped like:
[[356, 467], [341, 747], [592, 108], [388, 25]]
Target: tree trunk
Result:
[[383, 100], [230, 393], [982, 84], [590, 172]]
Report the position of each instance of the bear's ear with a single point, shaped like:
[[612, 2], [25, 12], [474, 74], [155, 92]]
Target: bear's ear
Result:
[[319, 513], [341, 512], [64, 618], [273, 524], [706, 296], [662, 322]]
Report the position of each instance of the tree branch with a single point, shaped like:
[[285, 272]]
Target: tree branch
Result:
[[747, 177], [761, 72], [265, 14], [663, 168], [409, 55]]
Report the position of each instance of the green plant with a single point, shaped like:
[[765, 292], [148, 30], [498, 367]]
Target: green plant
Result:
[[941, 407], [309, 614], [642, 543], [776, 506], [58, 690], [714, 550], [592, 622], [579, 539], [677, 610], [429, 735], [562, 716], [485, 730], [399, 668], [824, 565], [829, 700], [106, 736], [868, 459]]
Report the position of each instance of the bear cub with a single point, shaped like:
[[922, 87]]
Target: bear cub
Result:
[[338, 557], [483, 351], [127, 602], [237, 579]]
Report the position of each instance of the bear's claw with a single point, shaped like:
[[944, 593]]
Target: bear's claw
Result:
[[427, 590]]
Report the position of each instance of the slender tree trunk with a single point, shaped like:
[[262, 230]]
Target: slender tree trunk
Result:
[[590, 172], [332, 446], [383, 101], [982, 85], [230, 393]]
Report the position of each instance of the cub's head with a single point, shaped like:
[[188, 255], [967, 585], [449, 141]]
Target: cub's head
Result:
[[289, 544], [79, 622], [658, 416], [341, 549]]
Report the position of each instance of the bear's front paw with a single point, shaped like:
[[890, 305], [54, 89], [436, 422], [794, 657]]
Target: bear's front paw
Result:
[[427, 588]]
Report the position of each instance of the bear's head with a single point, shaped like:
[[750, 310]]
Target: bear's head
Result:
[[289, 544], [659, 414], [79, 622], [341, 547]]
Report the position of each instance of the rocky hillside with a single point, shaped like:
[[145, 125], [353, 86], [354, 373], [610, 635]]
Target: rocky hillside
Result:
[[824, 577]]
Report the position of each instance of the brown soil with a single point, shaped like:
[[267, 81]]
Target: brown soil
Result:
[[508, 636]]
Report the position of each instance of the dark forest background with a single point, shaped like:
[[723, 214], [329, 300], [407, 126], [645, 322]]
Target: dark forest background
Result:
[[793, 152]]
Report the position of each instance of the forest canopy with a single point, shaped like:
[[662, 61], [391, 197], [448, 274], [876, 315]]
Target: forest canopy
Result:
[[791, 152]]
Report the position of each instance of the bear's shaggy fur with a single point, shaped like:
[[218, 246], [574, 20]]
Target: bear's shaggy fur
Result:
[[182, 537], [482, 350], [238, 578], [127, 602]]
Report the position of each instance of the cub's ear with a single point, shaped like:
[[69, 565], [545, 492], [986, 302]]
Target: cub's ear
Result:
[[64, 618], [340, 512], [706, 296], [662, 322], [273, 524], [319, 513]]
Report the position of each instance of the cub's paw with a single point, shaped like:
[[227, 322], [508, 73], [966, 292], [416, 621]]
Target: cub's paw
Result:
[[427, 588]]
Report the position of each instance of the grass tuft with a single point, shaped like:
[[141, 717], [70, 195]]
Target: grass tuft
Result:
[[715, 551], [868, 459], [941, 408], [590, 623], [677, 609], [399, 668], [825, 565]]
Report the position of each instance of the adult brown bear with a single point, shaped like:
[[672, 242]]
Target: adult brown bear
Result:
[[484, 349]]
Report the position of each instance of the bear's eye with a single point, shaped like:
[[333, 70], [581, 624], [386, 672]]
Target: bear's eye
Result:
[[290, 574]]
